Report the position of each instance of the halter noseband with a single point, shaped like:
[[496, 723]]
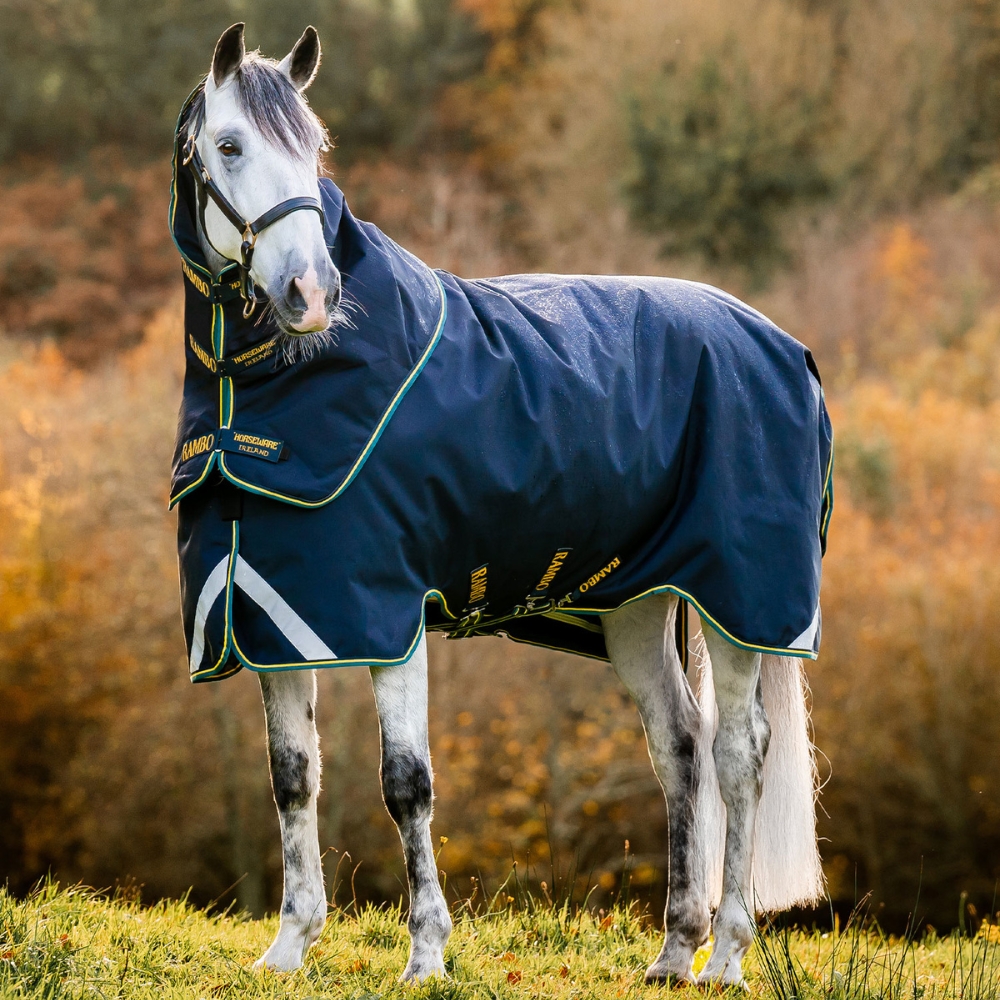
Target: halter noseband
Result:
[[206, 188]]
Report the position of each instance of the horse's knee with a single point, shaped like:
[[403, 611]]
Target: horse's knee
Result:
[[291, 780], [406, 786]]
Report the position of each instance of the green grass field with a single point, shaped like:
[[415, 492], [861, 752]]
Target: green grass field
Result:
[[75, 943]]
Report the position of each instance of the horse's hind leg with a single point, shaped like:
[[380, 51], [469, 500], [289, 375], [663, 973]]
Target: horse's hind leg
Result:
[[640, 643], [293, 753], [401, 700], [739, 750]]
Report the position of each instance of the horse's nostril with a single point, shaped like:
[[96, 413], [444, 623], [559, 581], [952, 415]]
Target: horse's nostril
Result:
[[293, 295]]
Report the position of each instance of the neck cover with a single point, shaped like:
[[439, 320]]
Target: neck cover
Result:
[[511, 456]]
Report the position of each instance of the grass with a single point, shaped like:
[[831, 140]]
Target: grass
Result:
[[76, 943]]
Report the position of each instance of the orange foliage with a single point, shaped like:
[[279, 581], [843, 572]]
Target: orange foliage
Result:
[[84, 258], [113, 766]]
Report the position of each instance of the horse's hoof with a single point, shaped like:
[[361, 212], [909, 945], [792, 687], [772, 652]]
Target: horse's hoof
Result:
[[659, 975], [278, 962], [725, 982], [417, 970]]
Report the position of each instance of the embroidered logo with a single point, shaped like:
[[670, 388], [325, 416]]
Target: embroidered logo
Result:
[[254, 445], [197, 446], [555, 564], [199, 282], [255, 354], [201, 354], [600, 575], [477, 586]]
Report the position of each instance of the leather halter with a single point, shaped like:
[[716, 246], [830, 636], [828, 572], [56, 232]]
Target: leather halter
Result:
[[205, 188]]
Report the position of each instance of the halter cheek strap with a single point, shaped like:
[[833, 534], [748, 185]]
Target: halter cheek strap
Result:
[[206, 188]]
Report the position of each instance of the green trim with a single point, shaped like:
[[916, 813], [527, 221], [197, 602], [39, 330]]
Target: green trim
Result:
[[671, 589], [372, 441], [177, 497], [225, 400], [439, 599], [215, 671], [263, 668], [828, 494]]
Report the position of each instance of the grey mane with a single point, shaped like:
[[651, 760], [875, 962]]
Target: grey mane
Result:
[[278, 111]]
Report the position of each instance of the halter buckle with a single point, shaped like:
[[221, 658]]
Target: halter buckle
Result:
[[189, 148]]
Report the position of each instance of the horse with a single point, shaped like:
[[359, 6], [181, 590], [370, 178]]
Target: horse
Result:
[[732, 753]]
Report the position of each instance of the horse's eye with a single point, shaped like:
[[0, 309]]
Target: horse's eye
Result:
[[228, 149]]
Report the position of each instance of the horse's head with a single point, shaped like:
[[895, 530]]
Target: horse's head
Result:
[[260, 142]]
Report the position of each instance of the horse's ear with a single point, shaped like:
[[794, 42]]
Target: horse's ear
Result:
[[301, 63], [229, 53]]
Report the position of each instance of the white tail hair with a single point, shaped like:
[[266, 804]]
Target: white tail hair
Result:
[[786, 862]]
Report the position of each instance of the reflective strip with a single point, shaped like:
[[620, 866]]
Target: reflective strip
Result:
[[291, 626], [214, 586], [807, 639]]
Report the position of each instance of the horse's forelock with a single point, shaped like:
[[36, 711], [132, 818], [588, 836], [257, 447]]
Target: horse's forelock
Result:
[[278, 111]]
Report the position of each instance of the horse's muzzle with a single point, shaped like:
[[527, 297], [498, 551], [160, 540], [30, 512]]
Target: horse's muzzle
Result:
[[310, 303]]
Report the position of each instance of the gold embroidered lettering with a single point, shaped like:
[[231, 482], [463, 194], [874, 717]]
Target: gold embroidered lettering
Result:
[[199, 282], [257, 353], [477, 585], [550, 574], [600, 575], [251, 439], [206, 359], [197, 446]]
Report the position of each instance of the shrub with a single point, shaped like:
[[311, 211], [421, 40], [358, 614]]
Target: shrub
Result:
[[714, 165], [74, 75]]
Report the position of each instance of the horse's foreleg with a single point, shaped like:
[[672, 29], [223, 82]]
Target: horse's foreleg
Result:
[[293, 753], [740, 746], [401, 700], [640, 643]]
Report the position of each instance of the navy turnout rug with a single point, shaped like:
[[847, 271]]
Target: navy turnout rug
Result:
[[508, 456]]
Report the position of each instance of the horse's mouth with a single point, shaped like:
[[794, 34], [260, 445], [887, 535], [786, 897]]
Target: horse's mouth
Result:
[[291, 325], [303, 345]]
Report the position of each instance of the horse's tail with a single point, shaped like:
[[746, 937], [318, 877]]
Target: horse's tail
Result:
[[786, 864]]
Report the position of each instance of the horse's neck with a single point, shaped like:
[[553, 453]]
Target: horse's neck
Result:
[[216, 262]]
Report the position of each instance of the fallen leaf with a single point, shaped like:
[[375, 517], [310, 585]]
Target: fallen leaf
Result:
[[564, 971], [514, 977]]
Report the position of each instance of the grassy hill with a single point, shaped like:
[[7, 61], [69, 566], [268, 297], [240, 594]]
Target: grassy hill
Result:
[[76, 943]]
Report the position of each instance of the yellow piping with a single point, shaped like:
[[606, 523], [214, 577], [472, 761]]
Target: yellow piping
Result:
[[366, 451]]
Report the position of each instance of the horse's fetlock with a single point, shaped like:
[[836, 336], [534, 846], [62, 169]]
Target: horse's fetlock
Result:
[[689, 920], [430, 921]]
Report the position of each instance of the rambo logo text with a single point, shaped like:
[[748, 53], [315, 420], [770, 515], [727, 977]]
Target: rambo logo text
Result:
[[197, 446]]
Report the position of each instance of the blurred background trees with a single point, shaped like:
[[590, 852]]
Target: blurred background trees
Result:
[[835, 161]]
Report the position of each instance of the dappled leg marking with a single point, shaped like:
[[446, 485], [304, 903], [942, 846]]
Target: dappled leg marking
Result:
[[640, 641], [740, 746], [401, 700], [293, 753]]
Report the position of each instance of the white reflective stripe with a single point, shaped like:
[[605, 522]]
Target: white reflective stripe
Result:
[[805, 641], [291, 626], [214, 586]]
